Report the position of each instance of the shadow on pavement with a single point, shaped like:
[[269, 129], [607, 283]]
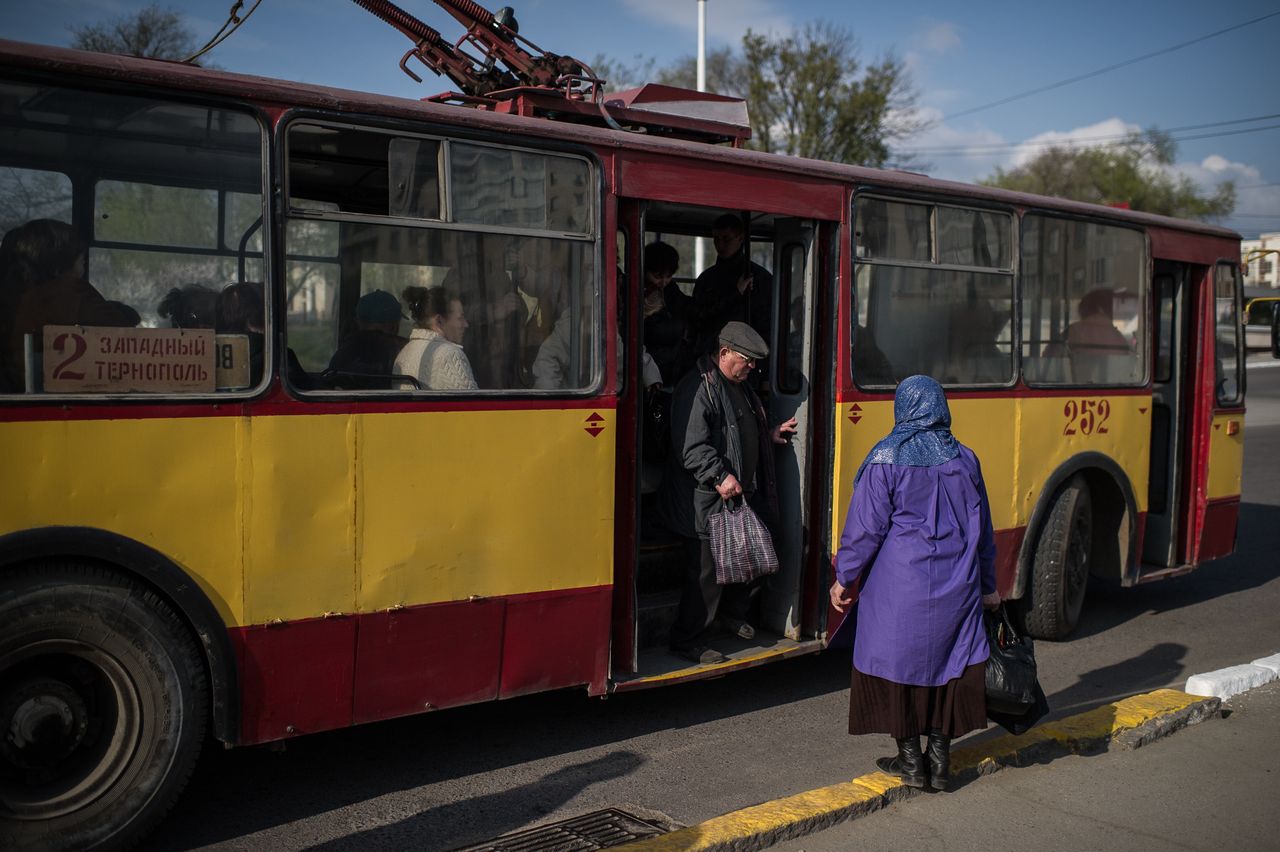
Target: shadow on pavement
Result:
[[329, 771], [455, 824], [1252, 565]]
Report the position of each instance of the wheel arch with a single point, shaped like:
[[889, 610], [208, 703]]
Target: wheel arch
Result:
[[167, 579], [1113, 551]]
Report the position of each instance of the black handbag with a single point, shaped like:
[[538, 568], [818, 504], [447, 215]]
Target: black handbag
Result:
[[1012, 687]]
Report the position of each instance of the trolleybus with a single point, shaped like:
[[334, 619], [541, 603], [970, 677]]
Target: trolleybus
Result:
[[211, 527]]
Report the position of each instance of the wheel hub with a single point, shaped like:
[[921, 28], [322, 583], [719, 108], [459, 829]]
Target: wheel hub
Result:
[[45, 720]]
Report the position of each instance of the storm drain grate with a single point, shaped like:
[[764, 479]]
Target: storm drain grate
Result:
[[596, 830]]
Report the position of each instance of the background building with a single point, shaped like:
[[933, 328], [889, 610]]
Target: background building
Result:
[[1262, 271]]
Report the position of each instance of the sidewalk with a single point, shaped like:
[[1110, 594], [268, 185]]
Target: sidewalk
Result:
[[1212, 786]]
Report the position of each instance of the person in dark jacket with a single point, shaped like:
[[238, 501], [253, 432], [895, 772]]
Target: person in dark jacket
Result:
[[721, 450], [365, 357], [42, 282], [919, 551], [666, 314], [732, 289]]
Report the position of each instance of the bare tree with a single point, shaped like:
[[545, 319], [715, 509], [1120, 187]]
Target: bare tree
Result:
[[151, 32]]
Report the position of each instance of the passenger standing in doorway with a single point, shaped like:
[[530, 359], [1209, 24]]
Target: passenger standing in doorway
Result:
[[733, 289], [722, 449], [919, 547], [666, 309]]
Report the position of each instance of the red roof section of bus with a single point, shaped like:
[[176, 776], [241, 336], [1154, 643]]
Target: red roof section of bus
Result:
[[266, 92]]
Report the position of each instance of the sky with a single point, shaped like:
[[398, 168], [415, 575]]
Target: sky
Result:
[[1220, 95]]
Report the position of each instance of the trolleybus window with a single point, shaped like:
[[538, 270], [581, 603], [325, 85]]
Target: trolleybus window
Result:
[[934, 293], [1084, 295], [486, 265], [27, 194], [1227, 335], [142, 217]]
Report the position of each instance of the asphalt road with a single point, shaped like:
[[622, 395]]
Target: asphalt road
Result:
[[695, 751]]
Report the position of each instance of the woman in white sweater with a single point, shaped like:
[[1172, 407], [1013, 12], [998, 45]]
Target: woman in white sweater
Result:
[[434, 353]]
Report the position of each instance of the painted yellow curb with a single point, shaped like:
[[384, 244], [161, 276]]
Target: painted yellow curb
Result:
[[759, 825]]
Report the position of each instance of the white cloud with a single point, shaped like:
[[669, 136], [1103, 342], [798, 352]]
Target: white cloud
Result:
[[938, 36], [967, 157], [725, 22], [1091, 136]]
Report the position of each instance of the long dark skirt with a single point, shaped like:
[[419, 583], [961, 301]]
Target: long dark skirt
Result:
[[879, 706]]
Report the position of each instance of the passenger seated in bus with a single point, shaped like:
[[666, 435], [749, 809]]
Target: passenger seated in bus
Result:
[[42, 282], [732, 289], [1094, 343], [366, 356], [974, 357], [540, 281], [433, 355], [494, 340], [552, 366], [193, 306], [241, 310], [666, 314], [870, 365]]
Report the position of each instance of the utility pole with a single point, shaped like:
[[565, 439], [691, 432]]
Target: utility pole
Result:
[[699, 244]]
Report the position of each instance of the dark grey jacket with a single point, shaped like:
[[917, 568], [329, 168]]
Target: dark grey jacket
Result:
[[706, 446]]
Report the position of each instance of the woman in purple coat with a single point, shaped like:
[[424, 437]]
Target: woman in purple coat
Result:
[[918, 546]]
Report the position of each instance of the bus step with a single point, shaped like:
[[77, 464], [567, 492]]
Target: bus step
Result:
[[660, 567], [655, 614]]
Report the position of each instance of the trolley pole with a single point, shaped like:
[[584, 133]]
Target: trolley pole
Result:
[[699, 243]]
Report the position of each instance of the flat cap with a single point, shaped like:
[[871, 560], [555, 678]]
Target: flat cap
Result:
[[741, 337], [378, 306]]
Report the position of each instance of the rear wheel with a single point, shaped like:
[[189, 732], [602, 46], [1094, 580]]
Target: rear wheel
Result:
[[103, 708], [1060, 570]]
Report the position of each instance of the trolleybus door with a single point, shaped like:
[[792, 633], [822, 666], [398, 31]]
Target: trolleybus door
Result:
[[790, 380], [1159, 545]]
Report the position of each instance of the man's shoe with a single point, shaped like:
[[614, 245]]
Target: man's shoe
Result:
[[700, 654], [939, 754], [737, 627], [908, 765]]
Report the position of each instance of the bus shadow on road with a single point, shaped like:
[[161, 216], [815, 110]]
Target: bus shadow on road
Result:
[[1253, 564], [238, 793]]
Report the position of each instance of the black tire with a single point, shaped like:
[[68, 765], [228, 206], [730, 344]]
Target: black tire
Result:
[[1060, 569], [103, 708]]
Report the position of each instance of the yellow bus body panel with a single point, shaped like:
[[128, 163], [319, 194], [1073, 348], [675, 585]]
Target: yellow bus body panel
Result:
[[1019, 441], [1226, 456], [170, 484], [299, 516], [484, 503]]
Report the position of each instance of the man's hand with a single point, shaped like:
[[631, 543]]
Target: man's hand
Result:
[[991, 601], [730, 488], [840, 597], [744, 283], [783, 431]]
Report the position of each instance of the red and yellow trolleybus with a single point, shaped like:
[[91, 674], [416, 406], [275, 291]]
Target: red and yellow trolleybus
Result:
[[212, 526]]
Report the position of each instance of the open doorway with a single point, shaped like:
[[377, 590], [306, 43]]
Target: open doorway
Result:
[[778, 254]]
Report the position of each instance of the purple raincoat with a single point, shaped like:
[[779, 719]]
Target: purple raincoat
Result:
[[920, 540]]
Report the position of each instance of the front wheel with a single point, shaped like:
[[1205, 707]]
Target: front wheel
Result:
[[103, 708], [1060, 570]]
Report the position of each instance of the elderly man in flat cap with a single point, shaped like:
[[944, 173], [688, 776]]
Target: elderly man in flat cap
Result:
[[722, 449]]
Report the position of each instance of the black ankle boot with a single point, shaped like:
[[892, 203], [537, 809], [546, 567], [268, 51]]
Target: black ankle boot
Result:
[[939, 752], [908, 765]]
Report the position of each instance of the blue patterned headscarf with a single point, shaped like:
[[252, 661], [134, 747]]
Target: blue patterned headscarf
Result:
[[921, 435]]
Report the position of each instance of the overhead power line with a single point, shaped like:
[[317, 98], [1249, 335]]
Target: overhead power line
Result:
[[1095, 141], [1009, 146], [1079, 77]]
